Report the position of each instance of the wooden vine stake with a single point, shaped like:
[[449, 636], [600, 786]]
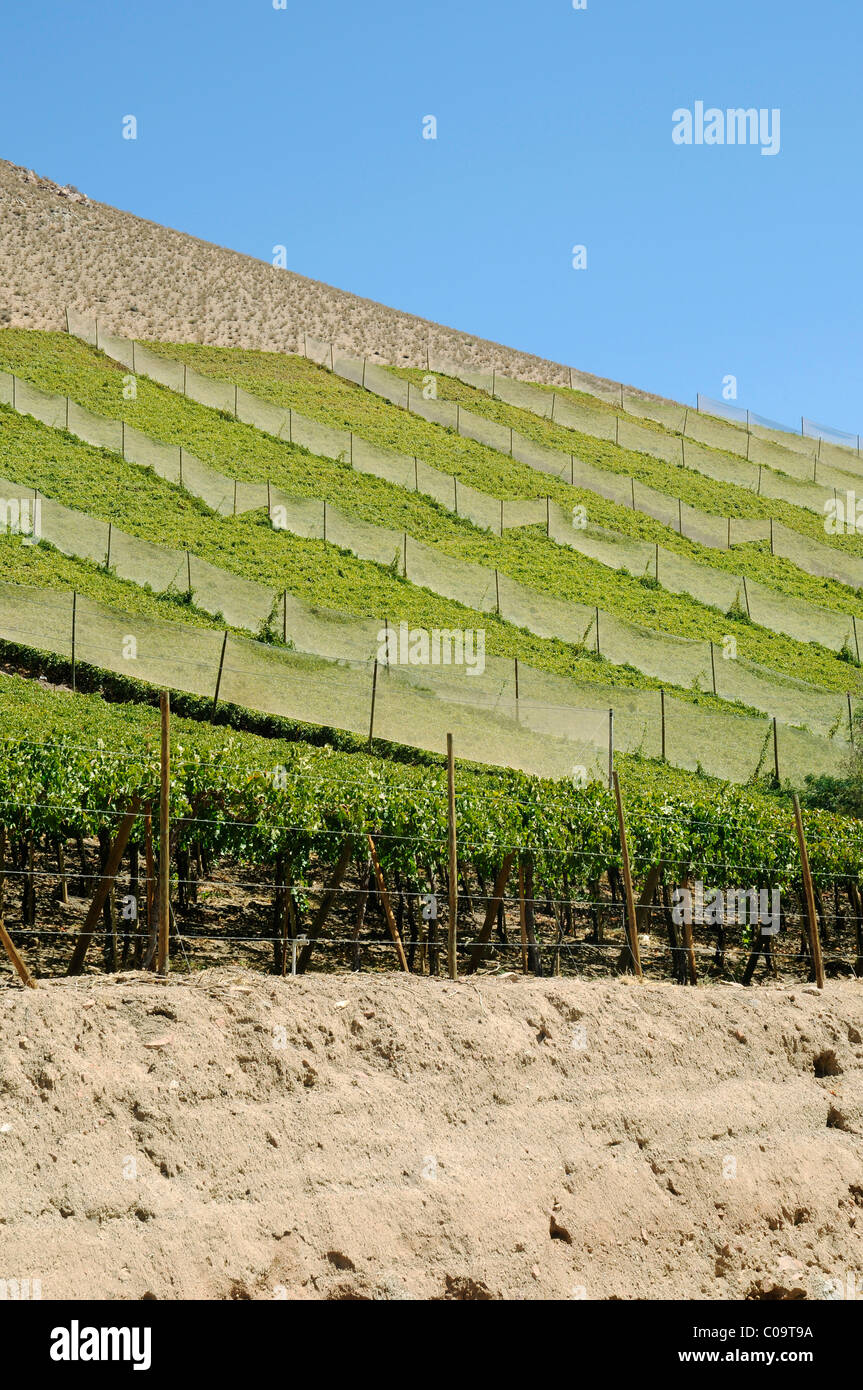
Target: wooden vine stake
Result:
[[811, 914], [151, 929], [452, 934], [219, 676], [385, 899], [631, 919], [164, 836], [14, 957], [372, 714], [74, 635], [522, 919], [5, 938]]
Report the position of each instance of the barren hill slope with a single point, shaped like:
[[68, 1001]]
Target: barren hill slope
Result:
[[58, 248], [357, 1136]]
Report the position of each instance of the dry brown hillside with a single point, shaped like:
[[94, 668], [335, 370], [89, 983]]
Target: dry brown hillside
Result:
[[392, 1137], [146, 281]]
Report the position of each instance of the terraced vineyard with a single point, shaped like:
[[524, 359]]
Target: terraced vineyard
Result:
[[280, 553], [253, 813]]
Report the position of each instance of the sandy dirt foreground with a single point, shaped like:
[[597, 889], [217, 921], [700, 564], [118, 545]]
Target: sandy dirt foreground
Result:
[[352, 1136]]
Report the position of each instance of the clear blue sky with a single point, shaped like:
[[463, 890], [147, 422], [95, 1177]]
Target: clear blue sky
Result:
[[303, 127]]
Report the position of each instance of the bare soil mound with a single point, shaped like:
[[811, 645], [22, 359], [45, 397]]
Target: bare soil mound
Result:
[[141, 280], [356, 1136]]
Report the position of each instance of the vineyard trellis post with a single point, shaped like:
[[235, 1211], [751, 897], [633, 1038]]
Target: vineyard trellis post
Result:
[[219, 674], [150, 864], [164, 835], [74, 622], [522, 918], [631, 919], [452, 941], [374, 695], [811, 913], [662, 716]]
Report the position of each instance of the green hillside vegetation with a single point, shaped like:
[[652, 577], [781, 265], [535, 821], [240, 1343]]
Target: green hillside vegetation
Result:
[[43, 567], [313, 390], [107, 750], [524, 554], [609, 409], [105, 486], [292, 381], [708, 494]]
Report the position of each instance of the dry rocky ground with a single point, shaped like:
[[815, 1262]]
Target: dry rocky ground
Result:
[[141, 280], [356, 1136]]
